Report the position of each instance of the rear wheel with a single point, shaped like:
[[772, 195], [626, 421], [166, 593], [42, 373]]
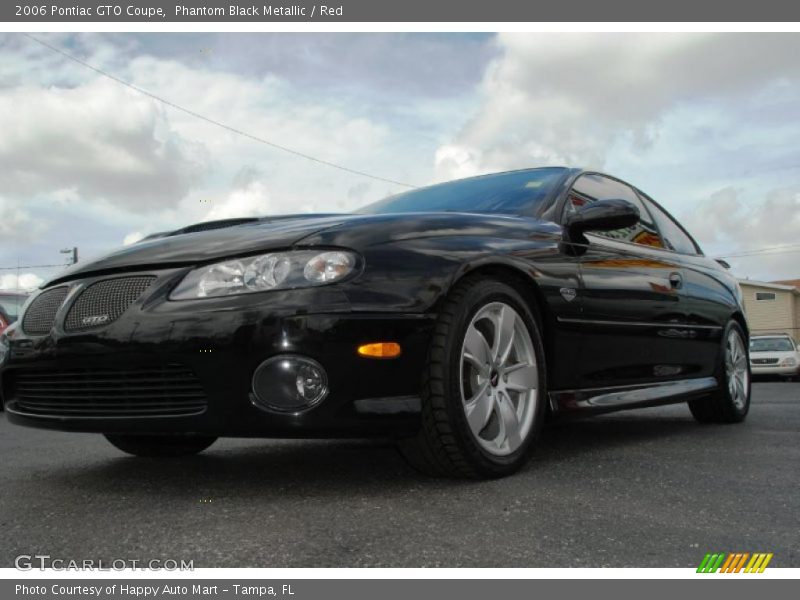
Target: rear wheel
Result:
[[483, 387], [731, 402], [160, 445]]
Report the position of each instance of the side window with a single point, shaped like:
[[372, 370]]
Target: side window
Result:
[[590, 188], [675, 238]]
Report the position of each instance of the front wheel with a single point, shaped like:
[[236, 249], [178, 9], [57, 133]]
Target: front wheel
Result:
[[731, 402], [483, 387], [160, 445]]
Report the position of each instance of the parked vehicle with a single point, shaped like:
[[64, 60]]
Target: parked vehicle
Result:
[[10, 305], [774, 355], [451, 318]]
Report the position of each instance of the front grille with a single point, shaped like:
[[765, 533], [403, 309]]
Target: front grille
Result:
[[764, 361], [168, 390], [104, 302], [41, 314]]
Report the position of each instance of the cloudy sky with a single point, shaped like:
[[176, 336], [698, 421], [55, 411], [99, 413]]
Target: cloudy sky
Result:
[[708, 124]]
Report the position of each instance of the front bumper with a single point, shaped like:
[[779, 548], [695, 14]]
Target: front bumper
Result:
[[774, 370], [223, 341]]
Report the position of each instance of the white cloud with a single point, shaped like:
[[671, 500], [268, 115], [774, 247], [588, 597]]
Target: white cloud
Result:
[[251, 201], [25, 282], [96, 141], [89, 147], [731, 221], [132, 238], [707, 123], [568, 98], [254, 200], [269, 108], [16, 224], [456, 161]]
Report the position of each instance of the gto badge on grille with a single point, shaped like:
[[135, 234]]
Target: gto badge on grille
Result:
[[94, 320], [568, 294]]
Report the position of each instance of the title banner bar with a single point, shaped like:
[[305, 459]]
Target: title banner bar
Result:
[[400, 11]]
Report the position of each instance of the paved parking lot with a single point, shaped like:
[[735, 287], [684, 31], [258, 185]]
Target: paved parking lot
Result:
[[646, 488]]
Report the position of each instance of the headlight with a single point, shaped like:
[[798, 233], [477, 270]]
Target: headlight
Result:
[[328, 267], [274, 271], [788, 362], [4, 349]]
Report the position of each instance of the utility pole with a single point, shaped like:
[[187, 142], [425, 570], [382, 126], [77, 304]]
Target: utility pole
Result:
[[73, 251]]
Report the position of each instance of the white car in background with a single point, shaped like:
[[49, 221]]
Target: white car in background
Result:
[[774, 355]]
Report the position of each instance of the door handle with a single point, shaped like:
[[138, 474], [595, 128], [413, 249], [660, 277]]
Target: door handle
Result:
[[675, 281]]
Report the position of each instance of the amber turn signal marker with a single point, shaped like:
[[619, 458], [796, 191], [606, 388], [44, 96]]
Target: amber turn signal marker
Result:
[[380, 350]]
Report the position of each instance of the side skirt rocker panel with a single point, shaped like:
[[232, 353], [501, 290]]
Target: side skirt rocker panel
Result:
[[609, 399]]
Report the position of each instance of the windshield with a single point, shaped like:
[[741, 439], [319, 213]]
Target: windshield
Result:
[[517, 192], [772, 345]]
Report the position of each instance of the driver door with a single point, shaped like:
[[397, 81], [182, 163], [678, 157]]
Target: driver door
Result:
[[632, 299]]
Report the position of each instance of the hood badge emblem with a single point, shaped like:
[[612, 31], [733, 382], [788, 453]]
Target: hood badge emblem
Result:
[[94, 320], [568, 294]]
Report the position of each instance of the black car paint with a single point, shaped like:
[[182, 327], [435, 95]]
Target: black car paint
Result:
[[618, 331]]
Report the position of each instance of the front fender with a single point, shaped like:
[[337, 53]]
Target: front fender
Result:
[[415, 275]]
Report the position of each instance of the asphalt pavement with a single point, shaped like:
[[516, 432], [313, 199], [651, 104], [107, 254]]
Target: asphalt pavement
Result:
[[647, 488]]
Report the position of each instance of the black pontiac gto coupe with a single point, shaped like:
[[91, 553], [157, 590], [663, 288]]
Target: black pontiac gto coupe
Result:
[[452, 318]]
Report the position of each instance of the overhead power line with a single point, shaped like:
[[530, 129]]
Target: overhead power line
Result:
[[765, 254], [779, 249], [213, 121], [19, 268]]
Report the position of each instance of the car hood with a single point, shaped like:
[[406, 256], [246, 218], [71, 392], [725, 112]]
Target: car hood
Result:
[[179, 249], [234, 238]]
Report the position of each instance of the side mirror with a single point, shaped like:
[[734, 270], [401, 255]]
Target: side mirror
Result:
[[602, 215]]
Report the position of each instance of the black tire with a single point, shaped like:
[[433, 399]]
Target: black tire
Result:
[[444, 444], [720, 406], [160, 445]]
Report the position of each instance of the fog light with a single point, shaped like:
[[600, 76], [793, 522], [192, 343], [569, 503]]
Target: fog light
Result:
[[289, 383], [380, 350]]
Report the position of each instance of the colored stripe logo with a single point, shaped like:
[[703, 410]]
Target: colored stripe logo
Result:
[[737, 562]]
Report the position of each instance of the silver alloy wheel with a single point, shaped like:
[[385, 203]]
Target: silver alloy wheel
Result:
[[736, 369], [499, 379]]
